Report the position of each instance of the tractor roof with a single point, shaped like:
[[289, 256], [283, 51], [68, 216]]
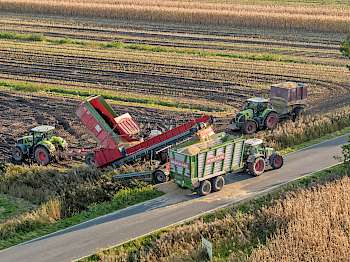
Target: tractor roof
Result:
[[254, 141], [258, 100], [42, 129]]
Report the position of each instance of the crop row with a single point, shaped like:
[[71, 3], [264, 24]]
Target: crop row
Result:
[[298, 17]]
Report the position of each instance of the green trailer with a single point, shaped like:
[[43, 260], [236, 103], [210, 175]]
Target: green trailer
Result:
[[201, 166]]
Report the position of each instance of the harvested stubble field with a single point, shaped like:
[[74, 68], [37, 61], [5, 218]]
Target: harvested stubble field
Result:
[[218, 64], [151, 66], [22, 111]]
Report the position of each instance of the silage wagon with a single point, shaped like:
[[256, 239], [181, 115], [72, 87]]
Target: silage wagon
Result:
[[202, 165]]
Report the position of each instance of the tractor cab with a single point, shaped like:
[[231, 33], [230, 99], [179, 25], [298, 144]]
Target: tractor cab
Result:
[[40, 133], [257, 104], [256, 146]]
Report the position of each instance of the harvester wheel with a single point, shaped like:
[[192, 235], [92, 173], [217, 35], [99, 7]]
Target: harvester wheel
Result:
[[276, 161], [257, 167], [250, 127], [271, 120], [90, 159], [17, 154], [217, 183], [42, 155], [204, 188], [159, 177]]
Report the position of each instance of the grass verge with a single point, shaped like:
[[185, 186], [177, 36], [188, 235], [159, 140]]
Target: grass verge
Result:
[[312, 142], [11, 206], [236, 232], [122, 199]]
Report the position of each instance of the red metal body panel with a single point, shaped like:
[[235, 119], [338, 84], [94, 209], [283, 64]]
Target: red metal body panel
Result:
[[105, 156], [125, 125], [95, 127], [166, 135]]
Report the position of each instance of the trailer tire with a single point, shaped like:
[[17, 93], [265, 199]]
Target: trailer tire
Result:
[[276, 161], [217, 183], [204, 188], [257, 167], [159, 177], [271, 120], [297, 113], [249, 127], [90, 159]]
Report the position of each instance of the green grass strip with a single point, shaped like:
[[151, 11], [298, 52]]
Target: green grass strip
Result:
[[149, 48], [87, 92], [10, 206], [122, 199]]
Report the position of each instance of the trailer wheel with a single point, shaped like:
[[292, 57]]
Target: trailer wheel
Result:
[[204, 188], [17, 154], [297, 113], [276, 161], [42, 155], [90, 159], [271, 120], [159, 177], [250, 127], [257, 167], [217, 183]]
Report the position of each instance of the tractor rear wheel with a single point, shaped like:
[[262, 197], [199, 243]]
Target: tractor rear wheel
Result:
[[271, 120], [257, 167], [17, 154], [250, 127], [42, 155], [276, 161], [159, 177], [204, 188], [217, 183]]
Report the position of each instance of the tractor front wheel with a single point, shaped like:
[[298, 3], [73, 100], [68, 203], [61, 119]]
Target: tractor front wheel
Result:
[[204, 188], [276, 161], [42, 155], [250, 127], [271, 120], [257, 167], [17, 154], [217, 183]]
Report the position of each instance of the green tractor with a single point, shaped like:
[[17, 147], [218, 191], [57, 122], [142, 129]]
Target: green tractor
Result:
[[259, 157], [40, 146], [287, 101]]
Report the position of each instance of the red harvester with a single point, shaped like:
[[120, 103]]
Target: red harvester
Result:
[[119, 136]]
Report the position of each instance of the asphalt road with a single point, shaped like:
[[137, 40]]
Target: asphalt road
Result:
[[173, 207]]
